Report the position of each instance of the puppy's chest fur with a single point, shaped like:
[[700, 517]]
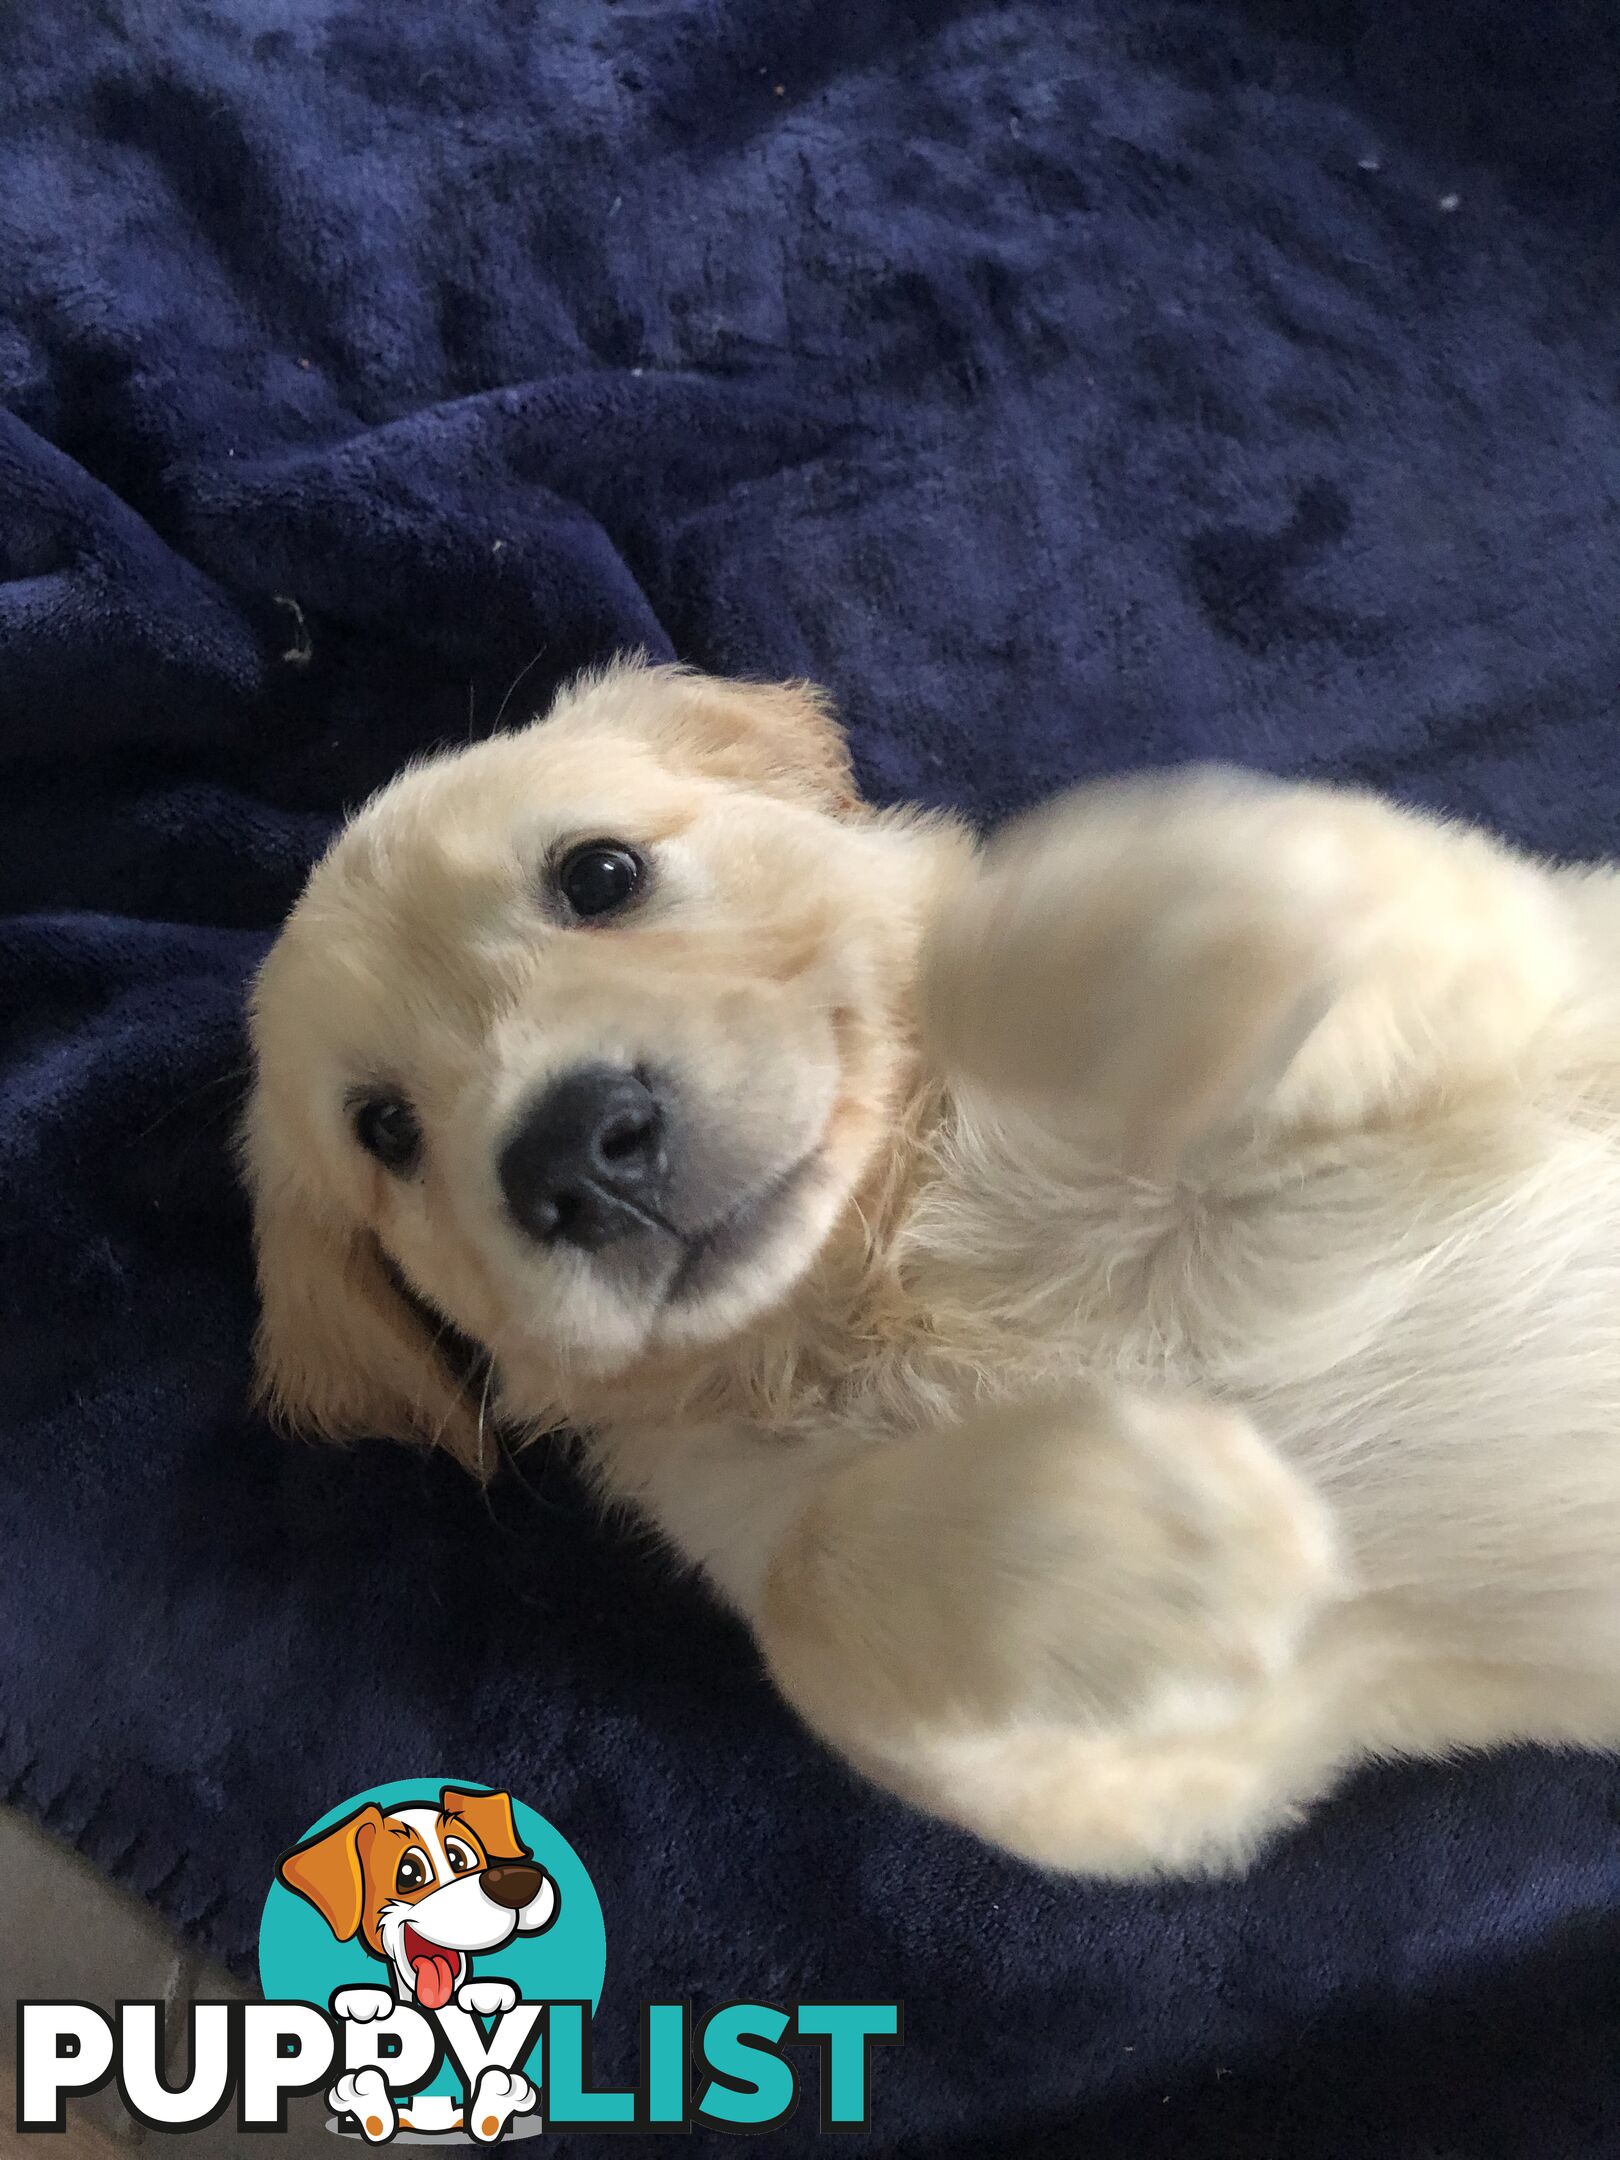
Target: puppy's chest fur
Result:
[[1397, 1309]]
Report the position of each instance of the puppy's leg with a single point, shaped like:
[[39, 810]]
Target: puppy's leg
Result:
[[1084, 1628], [1172, 954]]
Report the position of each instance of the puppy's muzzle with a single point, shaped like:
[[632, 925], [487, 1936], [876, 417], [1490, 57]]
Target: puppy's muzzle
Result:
[[587, 1163]]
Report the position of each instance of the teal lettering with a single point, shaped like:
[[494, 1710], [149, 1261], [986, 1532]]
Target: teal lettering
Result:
[[750, 2086], [846, 2032], [566, 2100], [666, 2062]]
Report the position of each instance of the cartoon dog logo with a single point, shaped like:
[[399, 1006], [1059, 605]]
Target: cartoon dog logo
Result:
[[426, 1889]]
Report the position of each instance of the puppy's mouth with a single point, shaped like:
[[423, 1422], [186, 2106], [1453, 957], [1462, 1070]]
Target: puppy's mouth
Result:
[[436, 1973], [708, 1255]]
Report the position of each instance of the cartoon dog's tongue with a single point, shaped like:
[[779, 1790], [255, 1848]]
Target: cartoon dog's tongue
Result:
[[434, 1970], [435, 1978]]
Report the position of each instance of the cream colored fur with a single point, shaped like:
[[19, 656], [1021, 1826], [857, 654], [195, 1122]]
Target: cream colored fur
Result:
[[1191, 1364]]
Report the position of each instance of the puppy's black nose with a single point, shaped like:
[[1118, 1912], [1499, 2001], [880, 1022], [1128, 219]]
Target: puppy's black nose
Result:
[[512, 1883], [585, 1165]]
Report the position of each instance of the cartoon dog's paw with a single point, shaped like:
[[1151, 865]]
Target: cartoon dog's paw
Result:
[[360, 2005], [486, 1998], [497, 2097], [364, 2095]]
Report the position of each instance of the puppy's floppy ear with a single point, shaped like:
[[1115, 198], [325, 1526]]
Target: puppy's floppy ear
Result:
[[780, 737], [489, 1817], [330, 1870], [339, 1351]]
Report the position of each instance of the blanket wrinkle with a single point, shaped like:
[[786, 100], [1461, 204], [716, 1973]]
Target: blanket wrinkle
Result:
[[1071, 385]]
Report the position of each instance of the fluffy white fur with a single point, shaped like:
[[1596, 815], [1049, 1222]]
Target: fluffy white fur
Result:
[[1192, 1363]]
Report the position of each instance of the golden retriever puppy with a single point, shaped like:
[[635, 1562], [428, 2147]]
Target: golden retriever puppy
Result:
[[1130, 1317]]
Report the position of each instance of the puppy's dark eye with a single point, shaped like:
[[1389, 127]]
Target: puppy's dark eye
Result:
[[385, 1126], [462, 1861], [413, 1872], [599, 878]]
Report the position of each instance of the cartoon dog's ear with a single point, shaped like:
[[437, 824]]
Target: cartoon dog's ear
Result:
[[338, 1350], [330, 1871], [488, 1815]]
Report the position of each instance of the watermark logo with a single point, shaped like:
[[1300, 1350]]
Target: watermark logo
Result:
[[432, 1953], [448, 1900]]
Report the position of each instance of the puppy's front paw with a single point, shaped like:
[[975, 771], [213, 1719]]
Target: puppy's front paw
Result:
[[364, 2095], [1117, 1562], [486, 1998], [362, 2005], [497, 2097], [1151, 951]]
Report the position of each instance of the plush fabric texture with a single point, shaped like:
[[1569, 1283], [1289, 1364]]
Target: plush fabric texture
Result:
[[1069, 385]]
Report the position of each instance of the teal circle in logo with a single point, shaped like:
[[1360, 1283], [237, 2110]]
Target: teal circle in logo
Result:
[[302, 1957]]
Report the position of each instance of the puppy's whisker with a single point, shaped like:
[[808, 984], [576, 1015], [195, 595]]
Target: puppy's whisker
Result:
[[236, 1074], [458, 1394], [483, 1412], [513, 687]]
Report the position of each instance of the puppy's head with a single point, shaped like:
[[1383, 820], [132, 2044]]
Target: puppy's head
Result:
[[582, 1040]]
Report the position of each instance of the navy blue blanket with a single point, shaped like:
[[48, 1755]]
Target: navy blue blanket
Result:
[[1070, 385]]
